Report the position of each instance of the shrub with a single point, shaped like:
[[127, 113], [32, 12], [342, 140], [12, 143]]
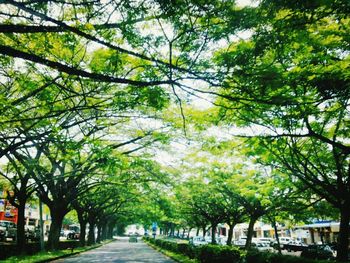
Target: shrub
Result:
[[317, 254], [254, 256], [186, 249], [218, 254]]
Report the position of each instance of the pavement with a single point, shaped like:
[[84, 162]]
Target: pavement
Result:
[[119, 251]]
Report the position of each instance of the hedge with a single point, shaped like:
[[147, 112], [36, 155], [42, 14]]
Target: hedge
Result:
[[8, 250], [218, 254], [254, 256], [227, 254]]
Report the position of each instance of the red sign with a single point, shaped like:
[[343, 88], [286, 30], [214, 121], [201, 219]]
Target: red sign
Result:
[[7, 211]]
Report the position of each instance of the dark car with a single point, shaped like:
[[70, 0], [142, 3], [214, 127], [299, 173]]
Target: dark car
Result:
[[295, 246], [73, 235], [32, 233], [318, 252], [8, 229]]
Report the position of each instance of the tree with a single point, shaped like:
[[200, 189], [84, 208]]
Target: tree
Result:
[[202, 198], [235, 212], [290, 79], [21, 189]]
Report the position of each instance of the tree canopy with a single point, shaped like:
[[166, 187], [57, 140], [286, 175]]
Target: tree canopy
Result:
[[93, 92]]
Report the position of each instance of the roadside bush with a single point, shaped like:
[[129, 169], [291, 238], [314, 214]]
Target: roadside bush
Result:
[[172, 246], [218, 254], [254, 256], [8, 250], [316, 254], [186, 249]]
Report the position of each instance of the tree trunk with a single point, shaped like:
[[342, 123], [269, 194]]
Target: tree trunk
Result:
[[189, 231], [230, 234], [82, 236], [250, 232], [273, 221], [204, 229], [91, 235], [110, 230], [172, 229], [197, 233], [343, 242], [99, 230], [104, 232], [213, 231], [21, 239], [82, 217], [57, 215]]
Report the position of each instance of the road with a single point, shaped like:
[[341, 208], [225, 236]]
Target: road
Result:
[[120, 251]]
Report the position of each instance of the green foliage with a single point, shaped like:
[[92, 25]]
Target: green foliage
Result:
[[254, 256], [314, 253], [218, 254], [225, 254]]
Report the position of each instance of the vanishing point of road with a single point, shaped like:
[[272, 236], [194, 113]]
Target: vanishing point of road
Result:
[[119, 251]]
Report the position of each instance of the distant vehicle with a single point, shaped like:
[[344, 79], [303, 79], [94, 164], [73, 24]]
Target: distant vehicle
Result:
[[263, 246], [283, 241], [221, 240], [32, 233], [8, 229], [197, 241], [74, 232], [133, 234], [73, 235], [295, 246], [65, 232], [2, 233], [240, 242], [266, 240], [133, 238]]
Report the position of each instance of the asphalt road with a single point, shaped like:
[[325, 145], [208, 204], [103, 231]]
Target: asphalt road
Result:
[[120, 251]]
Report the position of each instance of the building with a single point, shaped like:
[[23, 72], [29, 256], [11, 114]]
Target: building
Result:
[[10, 213], [319, 232]]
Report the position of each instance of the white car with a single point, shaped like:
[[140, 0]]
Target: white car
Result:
[[263, 246], [240, 242], [198, 241]]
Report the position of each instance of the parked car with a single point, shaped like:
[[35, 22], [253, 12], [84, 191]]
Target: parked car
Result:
[[8, 229], [197, 241], [2, 233], [265, 240], [65, 232], [263, 246], [73, 235], [32, 233], [283, 241], [295, 246], [240, 242], [74, 232], [318, 252]]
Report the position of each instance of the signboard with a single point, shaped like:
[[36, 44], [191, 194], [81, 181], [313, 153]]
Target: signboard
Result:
[[2, 205], [154, 226]]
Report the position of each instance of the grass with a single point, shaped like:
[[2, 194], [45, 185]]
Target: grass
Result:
[[175, 256], [50, 255]]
